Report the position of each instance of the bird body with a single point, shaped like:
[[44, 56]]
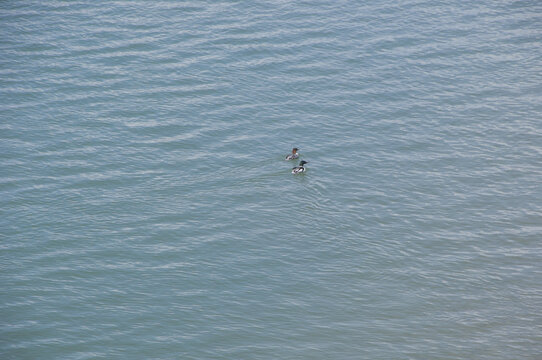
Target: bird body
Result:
[[299, 169], [293, 155]]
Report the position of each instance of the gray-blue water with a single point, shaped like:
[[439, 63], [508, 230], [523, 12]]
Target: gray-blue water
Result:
[[147, 211]]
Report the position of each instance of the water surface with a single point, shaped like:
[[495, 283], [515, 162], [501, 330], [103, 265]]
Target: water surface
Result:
[[147, 211]]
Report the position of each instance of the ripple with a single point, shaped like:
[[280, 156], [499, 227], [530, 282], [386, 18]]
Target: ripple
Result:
[[148, 211]]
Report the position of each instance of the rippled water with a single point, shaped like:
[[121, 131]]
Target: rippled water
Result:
[[147, 211]]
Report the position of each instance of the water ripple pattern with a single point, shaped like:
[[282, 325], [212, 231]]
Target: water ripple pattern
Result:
[[147, 211]]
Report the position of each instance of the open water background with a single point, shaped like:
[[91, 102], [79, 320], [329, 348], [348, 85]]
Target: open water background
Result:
[[147, 211]]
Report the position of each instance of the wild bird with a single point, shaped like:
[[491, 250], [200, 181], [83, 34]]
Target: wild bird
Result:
[[293, 155], [299, 169]]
